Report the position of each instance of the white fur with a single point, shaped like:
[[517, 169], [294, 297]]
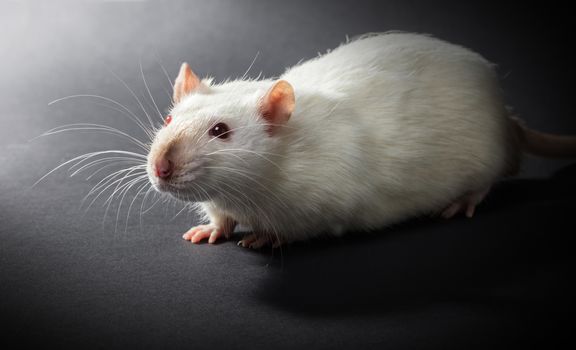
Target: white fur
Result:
[[386, 127]]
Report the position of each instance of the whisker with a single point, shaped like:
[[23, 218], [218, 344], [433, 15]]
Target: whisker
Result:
[[248, 176], [260, 152], [148, 90], [103, 168], [113, 108], [251, 152], [138, 162], [250, 66], [102, 190], [120, 185], [153, 204], [167, 77], [133, 117], [84, 157], [229, 154], [181, 210], [113, 160], [123, 194], [120, 189], [135, 97], [110, 177], [138, 191], [150, 189], [93, 127]]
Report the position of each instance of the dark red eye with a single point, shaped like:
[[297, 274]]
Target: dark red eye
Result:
[[220, 131], [167, 120]]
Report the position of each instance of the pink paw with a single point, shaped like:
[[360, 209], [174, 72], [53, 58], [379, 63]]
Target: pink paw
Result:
[[465, 204], [257, 241], [200, 232]]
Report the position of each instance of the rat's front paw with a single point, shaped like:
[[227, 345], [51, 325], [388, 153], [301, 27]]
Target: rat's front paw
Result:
[[210, 231]]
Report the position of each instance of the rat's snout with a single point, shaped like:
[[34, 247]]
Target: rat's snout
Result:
[[163, 168]]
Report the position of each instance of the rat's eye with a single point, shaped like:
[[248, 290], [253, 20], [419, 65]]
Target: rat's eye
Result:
[[220, 131], [167, 120]]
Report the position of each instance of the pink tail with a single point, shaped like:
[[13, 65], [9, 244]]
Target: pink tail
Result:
[[546, 145]]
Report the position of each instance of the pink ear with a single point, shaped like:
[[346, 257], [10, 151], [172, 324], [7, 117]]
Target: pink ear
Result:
[[278, 104], [185, 83]]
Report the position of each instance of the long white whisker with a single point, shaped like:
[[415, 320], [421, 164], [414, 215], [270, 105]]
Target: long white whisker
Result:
[[115, 109], [102, 190], [92, 164], [107, 179], [135, 97], [120, 189], [242, 149], [251, 152], [248, 177], [85, 157], [148, 90], [93, 127], [112, 160], [230, 154], [179, 212], [102, 168], [139, 190], [133, 117], [150, 189], [153, 204], [124, 193], [120, 185], [250, 66], [167, 77], [139, 162]]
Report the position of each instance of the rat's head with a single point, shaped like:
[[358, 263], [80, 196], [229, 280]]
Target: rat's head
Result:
[[217, 139]]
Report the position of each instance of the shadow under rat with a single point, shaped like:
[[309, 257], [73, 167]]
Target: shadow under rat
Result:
[[515, 255]]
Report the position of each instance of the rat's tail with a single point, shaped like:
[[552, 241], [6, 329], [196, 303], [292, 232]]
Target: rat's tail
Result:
[[545, 145]]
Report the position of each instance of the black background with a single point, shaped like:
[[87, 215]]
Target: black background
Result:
[[75, 279]]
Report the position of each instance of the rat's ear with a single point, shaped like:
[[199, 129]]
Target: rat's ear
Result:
[[186, 82], [278, 104]]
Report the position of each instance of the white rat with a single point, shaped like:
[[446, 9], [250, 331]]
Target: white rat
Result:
[[381, 129]]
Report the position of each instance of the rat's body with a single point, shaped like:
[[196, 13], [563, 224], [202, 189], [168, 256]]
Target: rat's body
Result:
[[381, 129]]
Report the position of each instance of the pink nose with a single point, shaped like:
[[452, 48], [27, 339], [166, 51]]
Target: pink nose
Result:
[[164, 168]]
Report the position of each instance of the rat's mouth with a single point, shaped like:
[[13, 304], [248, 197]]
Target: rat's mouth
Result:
[[162, 186], [181, 191], [180, 182]]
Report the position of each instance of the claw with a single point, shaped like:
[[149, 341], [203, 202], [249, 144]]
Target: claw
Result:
[[258, 241]]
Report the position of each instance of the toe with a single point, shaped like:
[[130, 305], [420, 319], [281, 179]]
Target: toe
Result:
[[470, 210], [259, 243], [277, 243], [200, 235], [214, 235], [247, 240], [451, 210], [190, 233]]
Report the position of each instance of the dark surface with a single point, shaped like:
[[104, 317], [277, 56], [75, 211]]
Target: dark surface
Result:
[[73, 279]]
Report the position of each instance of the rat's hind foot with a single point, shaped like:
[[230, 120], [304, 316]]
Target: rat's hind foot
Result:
[[465, 204], [257, 241], [210, 231]]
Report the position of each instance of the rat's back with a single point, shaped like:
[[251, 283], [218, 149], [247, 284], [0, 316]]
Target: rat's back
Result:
[[378, 60], [406, 122]]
